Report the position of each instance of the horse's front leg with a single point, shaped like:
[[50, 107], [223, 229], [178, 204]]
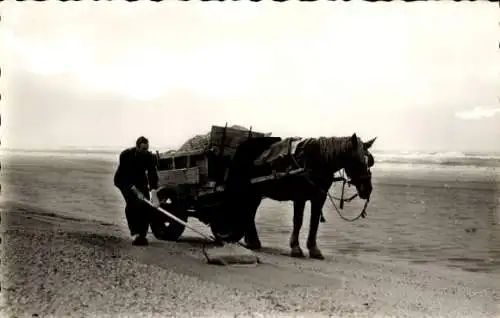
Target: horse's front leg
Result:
[[252, 240], [316, 208], [298, 217]]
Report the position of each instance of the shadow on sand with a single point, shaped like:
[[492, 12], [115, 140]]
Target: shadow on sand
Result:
[[179, 257]]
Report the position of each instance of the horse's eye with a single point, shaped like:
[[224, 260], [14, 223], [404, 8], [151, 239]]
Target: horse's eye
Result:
[[369, 160]]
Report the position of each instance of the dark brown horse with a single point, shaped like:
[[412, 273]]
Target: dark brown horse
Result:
[[321, 158]]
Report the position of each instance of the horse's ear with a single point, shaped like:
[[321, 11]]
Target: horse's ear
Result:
[[354, 141], [367, 145]]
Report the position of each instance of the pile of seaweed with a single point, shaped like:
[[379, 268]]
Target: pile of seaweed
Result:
[[199, 142]]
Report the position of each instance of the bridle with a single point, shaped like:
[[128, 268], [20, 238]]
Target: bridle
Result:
[[349, 182]]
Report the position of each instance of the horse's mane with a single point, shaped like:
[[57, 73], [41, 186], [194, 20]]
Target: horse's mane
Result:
[[330, 148]]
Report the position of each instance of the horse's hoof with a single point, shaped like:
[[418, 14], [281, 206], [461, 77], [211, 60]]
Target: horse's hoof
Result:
[[297, 252], [316, 254], [254, 246]]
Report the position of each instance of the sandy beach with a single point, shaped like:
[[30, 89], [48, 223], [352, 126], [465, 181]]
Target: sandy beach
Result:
[[66, 252]]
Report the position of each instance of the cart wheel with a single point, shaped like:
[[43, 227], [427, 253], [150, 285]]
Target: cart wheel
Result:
[[163, 227], [233, 235]]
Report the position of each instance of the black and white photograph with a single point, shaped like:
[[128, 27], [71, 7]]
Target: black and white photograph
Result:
[[250, 158]]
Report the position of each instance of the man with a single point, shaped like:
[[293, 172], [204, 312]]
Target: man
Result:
[[137, 171]]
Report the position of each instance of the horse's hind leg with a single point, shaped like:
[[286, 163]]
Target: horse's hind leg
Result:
[[298, 217], [316, 207], [252, 240]]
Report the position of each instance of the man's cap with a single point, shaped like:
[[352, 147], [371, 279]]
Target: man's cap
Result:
[[141, 140]]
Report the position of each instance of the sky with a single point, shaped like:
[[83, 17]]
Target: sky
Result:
[[418, 76]]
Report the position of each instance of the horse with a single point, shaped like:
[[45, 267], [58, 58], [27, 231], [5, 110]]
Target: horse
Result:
[[321, 158]]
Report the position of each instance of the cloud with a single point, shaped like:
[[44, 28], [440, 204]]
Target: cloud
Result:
[[478, 113]]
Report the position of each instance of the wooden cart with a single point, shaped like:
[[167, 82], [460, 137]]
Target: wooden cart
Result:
[[192, 182]]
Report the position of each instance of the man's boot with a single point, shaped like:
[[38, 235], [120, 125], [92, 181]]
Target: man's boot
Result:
[[140, 240]]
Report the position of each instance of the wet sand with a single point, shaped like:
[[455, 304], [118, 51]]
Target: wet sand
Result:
[[65, 251]]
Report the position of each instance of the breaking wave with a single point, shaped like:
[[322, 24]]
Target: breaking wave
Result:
[[439, 158]]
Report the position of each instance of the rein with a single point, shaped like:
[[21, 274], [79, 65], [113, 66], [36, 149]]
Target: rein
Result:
[[341, 199]]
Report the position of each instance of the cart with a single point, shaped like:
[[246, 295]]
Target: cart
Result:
[[192, 183]]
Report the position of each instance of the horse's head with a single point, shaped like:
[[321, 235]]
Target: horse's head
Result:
[[357, 166]]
